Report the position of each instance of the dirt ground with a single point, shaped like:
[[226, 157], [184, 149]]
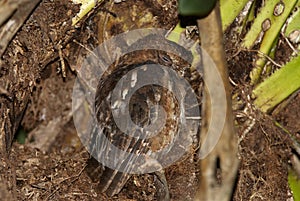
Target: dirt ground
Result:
[[52, 164]]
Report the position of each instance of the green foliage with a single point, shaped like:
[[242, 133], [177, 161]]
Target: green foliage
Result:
[[264, 31], [294, 184], [199, 8], [85, 8], [266, 21], [266, 26], [269, 21], [294, 23], [285, 81], [279, 86], [230, 10]]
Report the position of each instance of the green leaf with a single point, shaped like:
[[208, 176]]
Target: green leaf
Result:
[[199, 8], [279, 86], [266, 18], [269, 22], [293, 25], [230, 10], [85, 8]]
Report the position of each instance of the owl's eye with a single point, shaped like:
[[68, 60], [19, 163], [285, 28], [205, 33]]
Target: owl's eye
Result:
[[166, 60]]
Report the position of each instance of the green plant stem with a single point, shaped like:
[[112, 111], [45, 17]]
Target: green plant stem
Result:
[[272, 25]]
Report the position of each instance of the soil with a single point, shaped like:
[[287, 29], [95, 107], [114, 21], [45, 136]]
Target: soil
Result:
[[52, 164]]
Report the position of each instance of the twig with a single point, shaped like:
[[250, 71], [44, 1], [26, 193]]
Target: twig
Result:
[[74, 178], [289, 44]]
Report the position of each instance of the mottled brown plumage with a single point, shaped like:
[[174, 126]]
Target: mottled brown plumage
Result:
[[141, 112]]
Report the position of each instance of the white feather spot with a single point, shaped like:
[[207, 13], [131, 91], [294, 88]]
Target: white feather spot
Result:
[[133, 79]]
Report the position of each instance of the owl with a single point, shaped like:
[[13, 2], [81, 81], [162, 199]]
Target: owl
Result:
[[138, 112]]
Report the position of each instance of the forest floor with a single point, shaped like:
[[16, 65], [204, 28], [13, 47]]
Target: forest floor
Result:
[[52, 163]]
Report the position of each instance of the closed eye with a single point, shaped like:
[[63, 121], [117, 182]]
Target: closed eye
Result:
[[166, 59]]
